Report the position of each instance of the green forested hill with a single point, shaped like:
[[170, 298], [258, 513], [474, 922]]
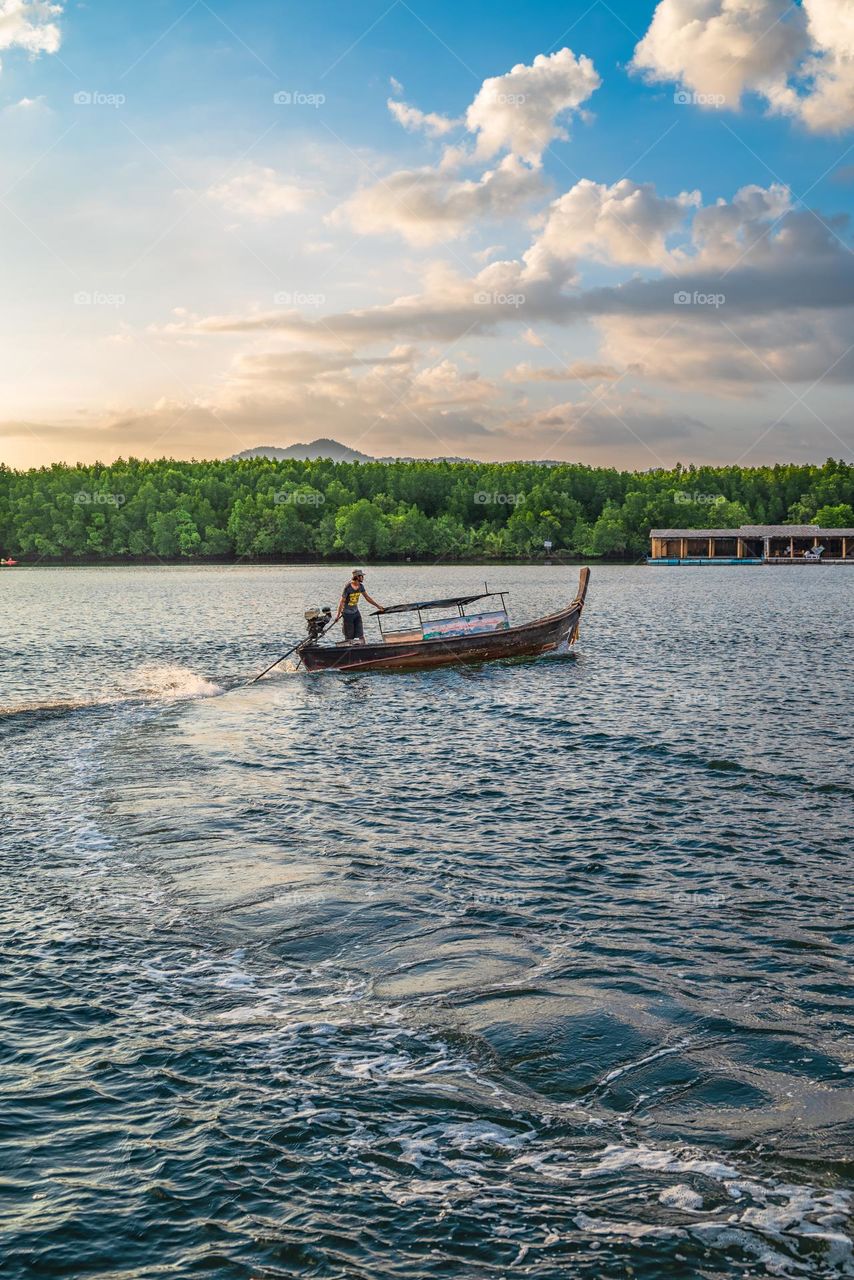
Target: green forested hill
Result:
[[259, 507]]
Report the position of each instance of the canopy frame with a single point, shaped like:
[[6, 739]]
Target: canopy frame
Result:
[[460, 603]]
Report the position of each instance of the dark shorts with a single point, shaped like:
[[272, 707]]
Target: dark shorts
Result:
[[353, 629]]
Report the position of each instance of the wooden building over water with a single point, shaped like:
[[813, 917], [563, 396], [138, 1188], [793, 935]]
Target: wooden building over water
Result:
[[753, 544]]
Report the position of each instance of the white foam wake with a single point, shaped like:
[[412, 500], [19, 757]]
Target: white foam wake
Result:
[[169, 682]]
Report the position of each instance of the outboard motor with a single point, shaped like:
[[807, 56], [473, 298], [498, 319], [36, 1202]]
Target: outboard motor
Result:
[[317, 620]]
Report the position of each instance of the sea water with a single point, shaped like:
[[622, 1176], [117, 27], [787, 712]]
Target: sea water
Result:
[[532, 969]]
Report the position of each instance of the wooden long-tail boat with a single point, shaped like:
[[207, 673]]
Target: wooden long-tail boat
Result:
[[456, 637]]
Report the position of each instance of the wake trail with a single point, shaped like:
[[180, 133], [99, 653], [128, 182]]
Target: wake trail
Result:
[[149, 684]]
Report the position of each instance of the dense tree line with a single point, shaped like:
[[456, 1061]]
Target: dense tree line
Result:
[[257, 507]]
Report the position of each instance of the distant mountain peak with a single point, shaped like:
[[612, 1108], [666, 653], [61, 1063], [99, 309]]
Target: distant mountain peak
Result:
[[325, 448], [322, 448]]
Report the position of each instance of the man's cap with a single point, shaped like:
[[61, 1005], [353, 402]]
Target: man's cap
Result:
[[358, 573]]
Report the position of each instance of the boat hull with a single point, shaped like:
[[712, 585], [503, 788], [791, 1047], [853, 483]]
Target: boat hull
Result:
[[528, 640]]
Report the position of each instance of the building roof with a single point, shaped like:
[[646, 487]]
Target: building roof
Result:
[[789, 531], [693, 533], [756, 531]]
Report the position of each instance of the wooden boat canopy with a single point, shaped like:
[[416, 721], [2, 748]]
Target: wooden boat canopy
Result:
[[448, 625], [455, 637]]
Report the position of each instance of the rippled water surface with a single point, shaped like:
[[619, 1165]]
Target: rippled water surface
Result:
[[534, 969]]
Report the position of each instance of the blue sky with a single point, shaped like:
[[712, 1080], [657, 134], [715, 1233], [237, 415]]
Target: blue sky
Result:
[[233, 224]]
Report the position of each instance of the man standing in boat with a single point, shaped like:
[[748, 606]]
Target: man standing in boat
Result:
[[354, 631]]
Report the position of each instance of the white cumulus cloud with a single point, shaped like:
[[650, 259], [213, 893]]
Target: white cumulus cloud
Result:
[[427, 205], [828, 106], [624, 223], [738, 230], [30, 25], [723, 48], [519, 111], [798, 57]]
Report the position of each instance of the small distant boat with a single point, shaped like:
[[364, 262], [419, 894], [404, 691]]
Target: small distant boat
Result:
[[8, 563], [452, 637]]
